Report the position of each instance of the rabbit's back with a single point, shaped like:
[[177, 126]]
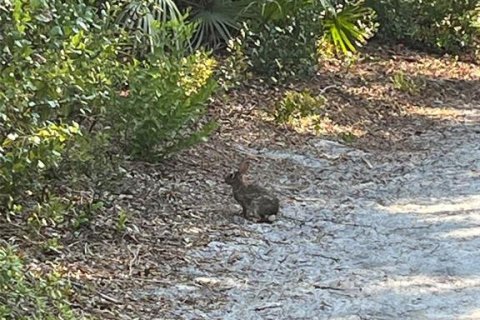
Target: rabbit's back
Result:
[[258, 202], [246, 194]]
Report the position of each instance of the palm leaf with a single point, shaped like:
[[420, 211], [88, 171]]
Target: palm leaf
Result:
[[342, 29], [139, 17], [216, 19]]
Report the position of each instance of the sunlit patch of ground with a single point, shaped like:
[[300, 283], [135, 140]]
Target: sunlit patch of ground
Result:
[[435, 112], [429, 284], [319, 125], [439, 206]]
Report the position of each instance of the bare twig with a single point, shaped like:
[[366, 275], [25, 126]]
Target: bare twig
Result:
[[103, 295], [268, 306], [318, 286], [367, 163], [134, 260], [328, 87]]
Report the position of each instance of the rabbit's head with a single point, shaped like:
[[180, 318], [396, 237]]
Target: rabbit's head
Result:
[[236, 178]]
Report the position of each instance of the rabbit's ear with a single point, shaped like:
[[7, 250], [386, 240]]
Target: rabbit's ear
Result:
[[243, 166]]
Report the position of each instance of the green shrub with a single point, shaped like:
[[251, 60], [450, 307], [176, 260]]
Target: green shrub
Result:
[[25, 159], [66, 62], [441, 25], [26, 295], [58, 69], [234, 69], [406, 84], [297, 105], [283, 43], [60, 66], [167, 97], [284, 50]]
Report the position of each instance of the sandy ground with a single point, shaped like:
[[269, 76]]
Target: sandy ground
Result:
[[369, 235]]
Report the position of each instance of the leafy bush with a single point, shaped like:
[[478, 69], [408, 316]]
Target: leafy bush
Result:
[[25, 159], [234, 69], [58, 70], [406, 84], [284, 41], [26, 295], [167, 96], [296, 106], [441, 25], [63, 101], [283, 50]]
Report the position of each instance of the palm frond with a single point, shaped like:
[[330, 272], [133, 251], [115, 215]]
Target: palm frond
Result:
[[139, 16], [216, 19], [343, 30]]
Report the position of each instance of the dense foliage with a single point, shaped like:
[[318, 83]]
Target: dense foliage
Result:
[[71, 100], [68, 84], [167, 95], [278, 38], [26, 294], [441, 25], [285, 50]]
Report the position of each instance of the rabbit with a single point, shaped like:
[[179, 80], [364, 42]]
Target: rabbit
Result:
[[257, 202]]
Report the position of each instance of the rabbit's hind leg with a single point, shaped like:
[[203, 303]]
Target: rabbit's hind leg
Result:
[[248, 213], [263, 210], [244, 212]]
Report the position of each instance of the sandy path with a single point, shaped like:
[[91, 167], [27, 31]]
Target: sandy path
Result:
[[376, 236]]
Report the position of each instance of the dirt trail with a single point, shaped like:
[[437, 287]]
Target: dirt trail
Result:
[[371, 236]]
